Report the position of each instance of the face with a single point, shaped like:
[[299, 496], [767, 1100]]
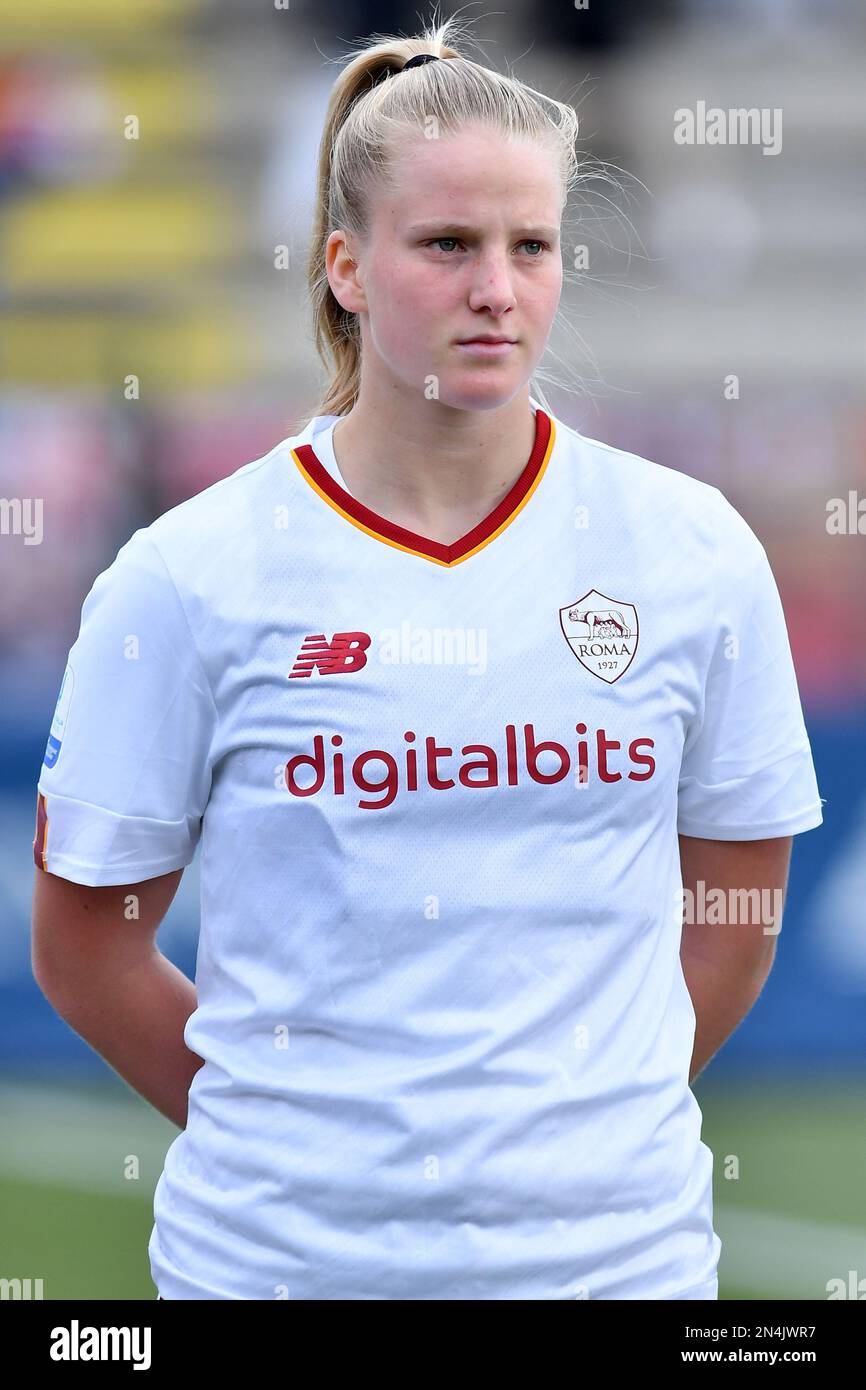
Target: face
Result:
[[467, 245]]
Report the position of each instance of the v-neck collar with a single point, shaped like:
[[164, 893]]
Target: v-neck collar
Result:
[[381, 529]]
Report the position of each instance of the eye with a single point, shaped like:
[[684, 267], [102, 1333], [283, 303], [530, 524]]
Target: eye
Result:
[[542, 244]]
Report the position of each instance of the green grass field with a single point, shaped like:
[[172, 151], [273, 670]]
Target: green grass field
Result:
[[78, 1168]]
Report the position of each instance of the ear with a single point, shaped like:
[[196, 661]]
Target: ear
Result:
[[342, 271]]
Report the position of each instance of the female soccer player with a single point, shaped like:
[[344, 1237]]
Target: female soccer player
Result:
[[457, 701]]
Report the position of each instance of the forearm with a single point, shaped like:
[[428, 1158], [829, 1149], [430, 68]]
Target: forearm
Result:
[[135, 1019], [723, 989]]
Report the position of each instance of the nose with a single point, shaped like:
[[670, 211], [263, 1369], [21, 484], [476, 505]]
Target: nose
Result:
[[491, 287]]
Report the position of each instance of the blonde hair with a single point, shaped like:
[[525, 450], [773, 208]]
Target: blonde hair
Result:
[[367, 113]]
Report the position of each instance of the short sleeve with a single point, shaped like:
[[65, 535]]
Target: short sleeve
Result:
[[747, 771], [127, 769]]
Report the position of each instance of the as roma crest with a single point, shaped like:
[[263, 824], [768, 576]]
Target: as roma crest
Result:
[[602, 632]]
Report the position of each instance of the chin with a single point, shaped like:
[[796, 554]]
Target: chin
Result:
[[480, 394]]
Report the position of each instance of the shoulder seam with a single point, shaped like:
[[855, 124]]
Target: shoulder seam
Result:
[[237, 475], [252, 466], [146, 535], [688, 478]]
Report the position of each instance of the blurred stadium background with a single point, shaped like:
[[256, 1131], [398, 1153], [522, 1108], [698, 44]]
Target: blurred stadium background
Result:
[[159, 259]]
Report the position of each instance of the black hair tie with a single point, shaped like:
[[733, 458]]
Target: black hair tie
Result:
[[419, 59]]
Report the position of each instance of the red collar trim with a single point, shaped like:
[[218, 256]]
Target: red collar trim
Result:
[[381, 529]]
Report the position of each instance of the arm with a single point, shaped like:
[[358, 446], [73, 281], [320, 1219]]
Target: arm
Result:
[[100, 969], [727, 957]]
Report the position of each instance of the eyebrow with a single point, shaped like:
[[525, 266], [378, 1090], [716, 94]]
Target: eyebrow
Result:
[[462, 229]]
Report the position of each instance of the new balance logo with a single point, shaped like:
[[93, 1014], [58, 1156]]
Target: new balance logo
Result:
[[346, 651]]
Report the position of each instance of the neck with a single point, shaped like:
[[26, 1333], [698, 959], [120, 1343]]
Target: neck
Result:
[[435, 470]]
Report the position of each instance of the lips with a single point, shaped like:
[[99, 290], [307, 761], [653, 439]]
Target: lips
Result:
[[481, 348]]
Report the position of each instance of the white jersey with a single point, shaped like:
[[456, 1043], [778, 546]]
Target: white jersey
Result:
[[445, 1029]]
